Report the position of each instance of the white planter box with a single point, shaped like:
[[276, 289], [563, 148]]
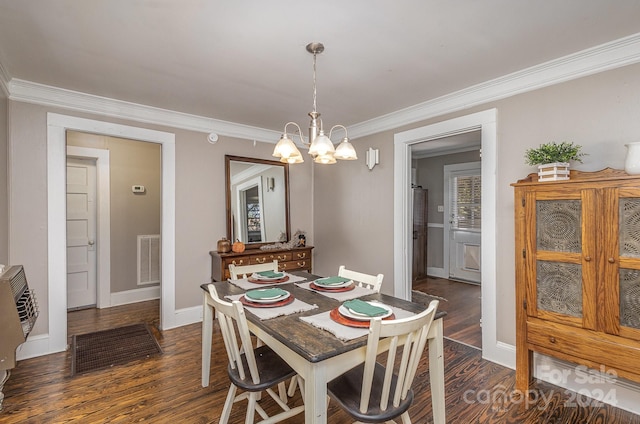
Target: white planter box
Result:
[[557, 171]]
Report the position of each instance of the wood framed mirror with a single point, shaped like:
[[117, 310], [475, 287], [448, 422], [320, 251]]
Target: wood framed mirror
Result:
[[257, 199]]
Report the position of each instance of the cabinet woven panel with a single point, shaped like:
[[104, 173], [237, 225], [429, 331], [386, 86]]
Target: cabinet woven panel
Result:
[[630, 298], [630, 227], [559, 288], [558, 225]]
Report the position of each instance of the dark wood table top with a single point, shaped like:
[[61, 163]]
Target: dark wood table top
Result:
[[311, 343]]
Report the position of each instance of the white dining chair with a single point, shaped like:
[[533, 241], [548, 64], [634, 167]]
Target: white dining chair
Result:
[[252, 370], [373, 282], [372, 392], [243, 271]]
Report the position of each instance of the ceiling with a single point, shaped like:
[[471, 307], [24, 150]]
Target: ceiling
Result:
[[244, 61]]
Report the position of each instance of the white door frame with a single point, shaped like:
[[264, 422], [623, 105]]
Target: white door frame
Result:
[[485, 121], [57, 125], [103, 219]]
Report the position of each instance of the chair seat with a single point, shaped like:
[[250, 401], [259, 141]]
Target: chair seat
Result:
[[271, 368], [347, 388]]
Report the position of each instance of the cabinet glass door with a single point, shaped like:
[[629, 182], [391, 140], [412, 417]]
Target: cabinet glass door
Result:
[[559, 245], [629, 247]]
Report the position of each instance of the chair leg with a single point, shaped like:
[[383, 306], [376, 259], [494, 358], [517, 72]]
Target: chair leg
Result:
[[251, 409], [405, 418], [282, 391], [292, 386], [228, 404]]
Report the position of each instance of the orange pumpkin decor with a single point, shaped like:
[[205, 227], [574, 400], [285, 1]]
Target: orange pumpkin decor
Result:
[[237, 246]]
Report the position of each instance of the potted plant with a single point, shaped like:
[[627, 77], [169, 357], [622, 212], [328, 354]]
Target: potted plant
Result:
[[553, 159]]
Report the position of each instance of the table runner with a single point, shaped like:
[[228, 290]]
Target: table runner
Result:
[[340, 296], [343, 332], [245, 284], [268, 313]]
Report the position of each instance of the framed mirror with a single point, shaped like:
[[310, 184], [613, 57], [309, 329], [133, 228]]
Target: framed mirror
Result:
[[257, 200]]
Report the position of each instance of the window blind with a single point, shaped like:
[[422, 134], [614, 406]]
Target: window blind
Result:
[[465, 204]]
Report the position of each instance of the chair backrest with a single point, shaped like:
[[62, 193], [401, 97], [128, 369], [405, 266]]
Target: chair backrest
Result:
[[373, 282], [233, 320], [244, 271], [407, 334]]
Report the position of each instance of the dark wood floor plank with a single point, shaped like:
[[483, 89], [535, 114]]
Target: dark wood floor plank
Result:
[[166, 388], [461, 327]]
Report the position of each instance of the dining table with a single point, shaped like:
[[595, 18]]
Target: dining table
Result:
[[318, 356]]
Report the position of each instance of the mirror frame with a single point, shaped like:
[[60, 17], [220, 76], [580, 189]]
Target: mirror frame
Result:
[[227, 166]]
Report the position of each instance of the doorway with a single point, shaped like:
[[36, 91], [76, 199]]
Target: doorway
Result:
[[58, 125], [486, 122], [449, 170], [129, 203]]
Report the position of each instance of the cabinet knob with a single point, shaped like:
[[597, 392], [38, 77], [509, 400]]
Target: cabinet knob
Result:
[[261, 261], [611, 260], [301, 255], [240, 262], [587, 258], [302, 264], [552, 339]]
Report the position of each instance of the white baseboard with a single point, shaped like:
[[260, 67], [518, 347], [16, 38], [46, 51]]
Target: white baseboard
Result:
[[136, 295], [436, 272], [187, 316], [34, 346]]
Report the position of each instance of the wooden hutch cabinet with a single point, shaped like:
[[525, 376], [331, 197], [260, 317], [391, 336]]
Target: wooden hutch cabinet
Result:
[[296, 259], [578, 272]]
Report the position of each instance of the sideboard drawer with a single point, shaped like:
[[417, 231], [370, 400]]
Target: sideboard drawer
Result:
[[270, 257], [297, 259]]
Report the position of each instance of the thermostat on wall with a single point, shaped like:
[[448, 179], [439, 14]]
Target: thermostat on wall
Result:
[[137, 188]]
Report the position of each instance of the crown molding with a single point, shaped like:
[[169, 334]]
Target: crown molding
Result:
[[31, 92], [615, 54]]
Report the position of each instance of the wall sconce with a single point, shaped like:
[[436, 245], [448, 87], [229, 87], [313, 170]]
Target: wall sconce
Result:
[[271, 183], [372, 157]]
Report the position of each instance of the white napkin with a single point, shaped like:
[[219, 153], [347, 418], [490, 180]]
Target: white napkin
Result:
[[343, 332], [340, 296], [245, 284], [268, 313]]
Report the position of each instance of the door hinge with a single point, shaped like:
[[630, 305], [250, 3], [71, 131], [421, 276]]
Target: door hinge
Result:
[[524, 253], [524, 304], [522, 202]]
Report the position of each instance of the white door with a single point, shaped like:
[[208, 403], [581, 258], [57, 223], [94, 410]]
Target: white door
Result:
[[463, 207], [81, 232]]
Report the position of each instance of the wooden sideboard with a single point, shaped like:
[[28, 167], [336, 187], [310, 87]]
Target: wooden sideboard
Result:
[[296, 259]]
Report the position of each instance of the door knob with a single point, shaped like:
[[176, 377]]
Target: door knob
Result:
[[91, 242]]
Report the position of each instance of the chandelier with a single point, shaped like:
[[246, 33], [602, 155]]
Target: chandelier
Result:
[[320, 146]]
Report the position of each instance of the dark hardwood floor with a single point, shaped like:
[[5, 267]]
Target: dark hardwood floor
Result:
[[166, 388], [461, 327]]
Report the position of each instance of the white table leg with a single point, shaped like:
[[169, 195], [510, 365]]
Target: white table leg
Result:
[[315, 395], [207, 330], [436, 371]]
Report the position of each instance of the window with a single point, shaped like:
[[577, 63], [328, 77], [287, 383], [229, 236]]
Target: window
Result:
[[465, 195]]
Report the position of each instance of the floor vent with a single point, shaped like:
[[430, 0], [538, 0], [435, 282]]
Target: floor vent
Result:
[[149, 259]]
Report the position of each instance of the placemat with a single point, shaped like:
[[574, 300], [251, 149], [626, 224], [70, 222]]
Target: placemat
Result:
[[340, 296], [268, 313], [324, 322], [244, 284]]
